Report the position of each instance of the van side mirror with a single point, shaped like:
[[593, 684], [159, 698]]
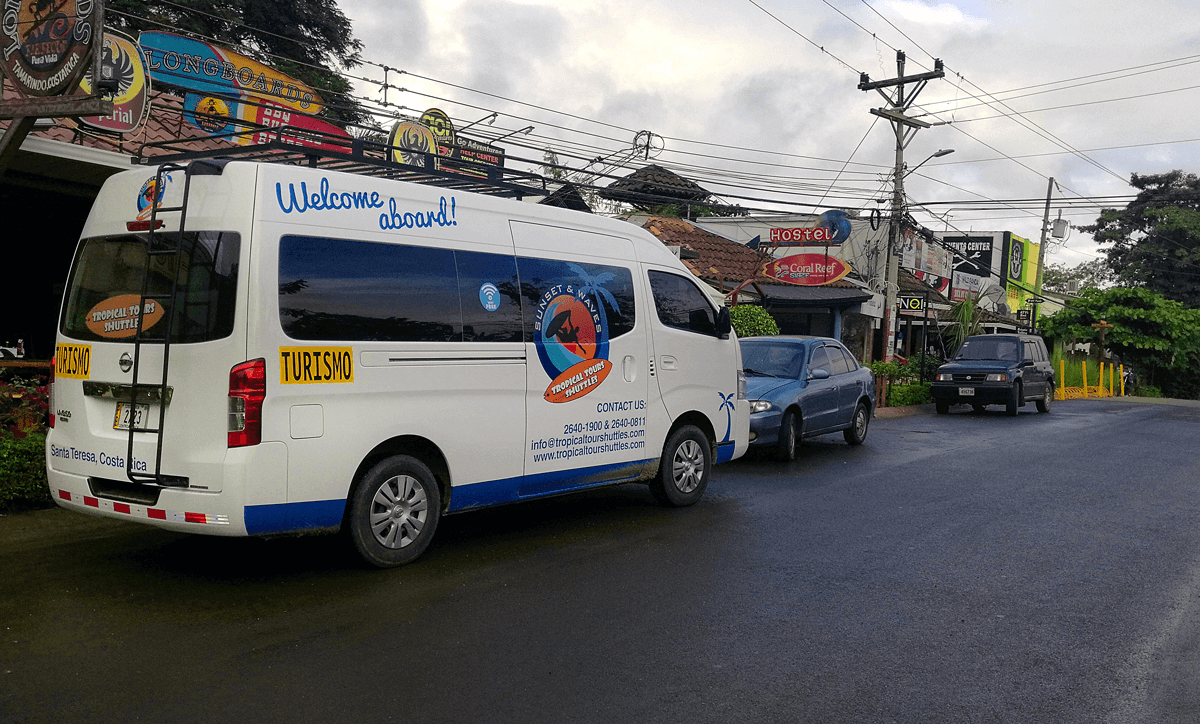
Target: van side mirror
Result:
[[724, 323]]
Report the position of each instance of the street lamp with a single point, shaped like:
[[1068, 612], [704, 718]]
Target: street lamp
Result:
[[936, 154]]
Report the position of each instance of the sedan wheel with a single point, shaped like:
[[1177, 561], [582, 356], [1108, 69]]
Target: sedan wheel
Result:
[[857, 432], [788, 438]]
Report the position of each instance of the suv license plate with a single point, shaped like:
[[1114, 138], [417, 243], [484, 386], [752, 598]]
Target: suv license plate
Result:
[[966, 391], [127, 413]]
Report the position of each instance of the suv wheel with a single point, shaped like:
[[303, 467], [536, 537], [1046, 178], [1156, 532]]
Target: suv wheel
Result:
[[1043, 405], [1014, 400]]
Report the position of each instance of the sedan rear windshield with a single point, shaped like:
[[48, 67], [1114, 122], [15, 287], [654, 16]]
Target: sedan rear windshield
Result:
[[105, 287]]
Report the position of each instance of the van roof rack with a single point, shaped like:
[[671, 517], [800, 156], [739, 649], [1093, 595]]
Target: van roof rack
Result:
[[303, 147]]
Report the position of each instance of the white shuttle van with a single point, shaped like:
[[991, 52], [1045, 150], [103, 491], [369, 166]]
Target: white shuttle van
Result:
[[320, 351]]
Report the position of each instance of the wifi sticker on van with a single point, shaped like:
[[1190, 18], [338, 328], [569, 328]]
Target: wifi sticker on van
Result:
[[315, 365]]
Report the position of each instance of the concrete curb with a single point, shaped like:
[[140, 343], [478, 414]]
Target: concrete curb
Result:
[[928, 409]]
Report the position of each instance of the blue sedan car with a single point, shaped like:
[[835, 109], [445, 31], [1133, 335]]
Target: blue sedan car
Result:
[[804, 386]]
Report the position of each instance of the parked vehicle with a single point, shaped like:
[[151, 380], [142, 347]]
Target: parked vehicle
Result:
[[803, 386], [996, 369], [319, 351]]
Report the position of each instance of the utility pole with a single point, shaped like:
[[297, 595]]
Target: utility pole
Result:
[[1042, 252], [905, 128]]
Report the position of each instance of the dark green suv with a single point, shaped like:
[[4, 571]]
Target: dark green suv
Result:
[[996, 369]]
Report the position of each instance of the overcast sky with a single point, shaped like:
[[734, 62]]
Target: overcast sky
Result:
[[763, 94]]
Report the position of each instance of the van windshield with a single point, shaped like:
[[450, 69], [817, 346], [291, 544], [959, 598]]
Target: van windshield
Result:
[[106, 286], [997, 348]]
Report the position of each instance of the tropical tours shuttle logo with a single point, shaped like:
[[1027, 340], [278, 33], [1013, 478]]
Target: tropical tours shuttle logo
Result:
[[571, 334]]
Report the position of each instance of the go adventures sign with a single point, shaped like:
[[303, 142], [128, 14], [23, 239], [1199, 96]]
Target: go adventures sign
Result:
[[47, 43], [807, 269]]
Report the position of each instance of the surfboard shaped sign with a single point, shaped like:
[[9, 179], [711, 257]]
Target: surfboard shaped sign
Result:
[[47, 44], [807, 269], [122, 60], [216, 115], [215, 71]]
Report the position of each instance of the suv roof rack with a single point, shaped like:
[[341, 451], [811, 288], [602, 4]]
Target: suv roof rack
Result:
[[299, 146]]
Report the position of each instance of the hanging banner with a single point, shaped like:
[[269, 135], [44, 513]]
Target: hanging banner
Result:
[[212, 70], [218, 115], [807, 269], [47, 44], [122, 60]]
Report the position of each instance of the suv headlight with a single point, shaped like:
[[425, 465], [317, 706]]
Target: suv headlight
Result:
[[945, 377], [997, 377], [759, 405]]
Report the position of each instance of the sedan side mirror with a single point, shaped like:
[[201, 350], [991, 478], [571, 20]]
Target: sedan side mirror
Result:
[[819, 373]]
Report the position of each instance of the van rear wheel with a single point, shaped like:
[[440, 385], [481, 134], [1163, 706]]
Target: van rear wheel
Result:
[[394, 512], [684, 468]]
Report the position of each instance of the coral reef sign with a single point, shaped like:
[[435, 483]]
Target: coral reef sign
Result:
[[807, 269]]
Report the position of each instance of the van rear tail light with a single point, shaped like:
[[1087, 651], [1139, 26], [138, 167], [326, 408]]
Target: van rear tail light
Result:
[[50, 394], [247, 390]]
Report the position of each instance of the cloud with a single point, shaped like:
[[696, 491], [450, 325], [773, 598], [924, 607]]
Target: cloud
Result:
[[943, 14]]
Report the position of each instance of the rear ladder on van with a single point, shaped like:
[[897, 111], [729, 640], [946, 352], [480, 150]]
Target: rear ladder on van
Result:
[[168, 251]]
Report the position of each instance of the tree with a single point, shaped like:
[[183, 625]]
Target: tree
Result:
[[306, 39], [1159, 336], [1154, 242], [965, 315], [751, 321], [1093, 273]]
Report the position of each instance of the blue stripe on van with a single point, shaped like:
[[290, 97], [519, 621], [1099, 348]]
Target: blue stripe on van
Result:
[[509, 490], [725, 451], [290, 517]]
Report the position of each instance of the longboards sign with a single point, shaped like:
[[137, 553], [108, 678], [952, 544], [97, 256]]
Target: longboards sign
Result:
[[217, 115], [212, 70], [46, 44], [807, 269]]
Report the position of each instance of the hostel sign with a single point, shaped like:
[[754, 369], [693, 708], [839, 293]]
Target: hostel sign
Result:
[[807, 269]]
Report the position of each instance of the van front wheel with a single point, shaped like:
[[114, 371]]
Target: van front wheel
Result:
[[394, 511], [684, 468]]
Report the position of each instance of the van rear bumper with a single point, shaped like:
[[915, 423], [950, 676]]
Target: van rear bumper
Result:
[[179, 510]]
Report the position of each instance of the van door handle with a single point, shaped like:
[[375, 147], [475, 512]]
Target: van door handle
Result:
[[667, 362]]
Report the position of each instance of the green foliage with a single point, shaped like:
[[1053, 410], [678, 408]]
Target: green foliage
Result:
[[751, 321], [1158, 336], [1154, 242], [1148, 391], [23, 472], [309, 41], [913, 393], [24, 403], [1093, 273], [965, 315]]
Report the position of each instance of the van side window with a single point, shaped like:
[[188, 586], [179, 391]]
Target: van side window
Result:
[[681, 304], [365, 291], [606, 289], [490, 297]]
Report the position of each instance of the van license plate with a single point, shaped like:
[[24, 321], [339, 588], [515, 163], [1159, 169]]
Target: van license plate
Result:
[[966, 391], [127, 413]]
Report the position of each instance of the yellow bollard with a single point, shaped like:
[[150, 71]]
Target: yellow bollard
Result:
[[1085, 380], [1062, 380], [1122, 380]]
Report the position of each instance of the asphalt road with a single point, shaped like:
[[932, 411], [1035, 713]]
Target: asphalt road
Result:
[[960, 568]]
